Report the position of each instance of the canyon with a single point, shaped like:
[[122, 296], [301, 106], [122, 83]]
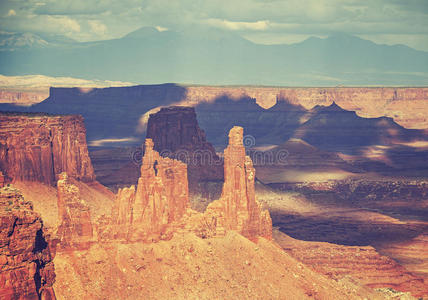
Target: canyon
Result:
[[128, 108], [362, 234]]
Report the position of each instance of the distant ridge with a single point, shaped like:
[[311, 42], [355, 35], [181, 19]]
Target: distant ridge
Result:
[[215, 57]]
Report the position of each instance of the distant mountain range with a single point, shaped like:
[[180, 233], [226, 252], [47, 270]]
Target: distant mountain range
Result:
[[202, 56], [12, 41]]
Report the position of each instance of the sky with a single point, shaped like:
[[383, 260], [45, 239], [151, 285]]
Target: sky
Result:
[[261, 21]]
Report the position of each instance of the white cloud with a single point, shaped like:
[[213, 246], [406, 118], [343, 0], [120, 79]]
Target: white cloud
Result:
[[225, 24], [97, 27], [65, 24], [11, 13]]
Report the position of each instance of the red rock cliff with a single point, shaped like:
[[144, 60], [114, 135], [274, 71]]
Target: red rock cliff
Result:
[[176, 133], [39, 147], [1, 179], [75, 227], [26, 267], [238, 209]]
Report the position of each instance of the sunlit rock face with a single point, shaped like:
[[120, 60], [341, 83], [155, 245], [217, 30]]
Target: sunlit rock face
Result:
[[152, 210], [162, 192], [75, 227], [237, 209], [36, 147], [26, 267], [159, 206]]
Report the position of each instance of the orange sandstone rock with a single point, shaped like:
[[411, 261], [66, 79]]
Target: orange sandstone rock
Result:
[[237, 209], [37, 147], [75, 228], [1, 179], [159, 206], [26, 267], [161, 199]]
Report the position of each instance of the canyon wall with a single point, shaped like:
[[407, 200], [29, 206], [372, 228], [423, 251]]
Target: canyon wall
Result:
[[26, 267], [35, 147], [22, 97], [405, 105]]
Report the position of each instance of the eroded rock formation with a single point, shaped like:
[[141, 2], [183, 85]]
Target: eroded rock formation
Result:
[[237, 209], [176, 133], [37, 147], [74, 217], [160, 206], [151, 211], [26, 267]]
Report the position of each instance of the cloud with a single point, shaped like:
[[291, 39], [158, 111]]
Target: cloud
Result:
[[97, 27], [269, 21], [11, 13], [42, 24], [66, 24], [75, 7], [225, 24]]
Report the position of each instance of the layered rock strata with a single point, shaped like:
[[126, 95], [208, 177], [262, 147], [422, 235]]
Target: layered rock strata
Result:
[[35, 147], [405, 105], [26, 267], [363, 263]]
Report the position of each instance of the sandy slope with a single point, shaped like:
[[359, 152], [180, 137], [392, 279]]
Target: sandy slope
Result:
[[44, 199], [188, 267]]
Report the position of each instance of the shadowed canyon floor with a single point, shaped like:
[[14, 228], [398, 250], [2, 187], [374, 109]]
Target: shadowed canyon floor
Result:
[[343, 239]]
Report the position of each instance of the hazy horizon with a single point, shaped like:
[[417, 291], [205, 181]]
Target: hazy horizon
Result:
[[251, 42]]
